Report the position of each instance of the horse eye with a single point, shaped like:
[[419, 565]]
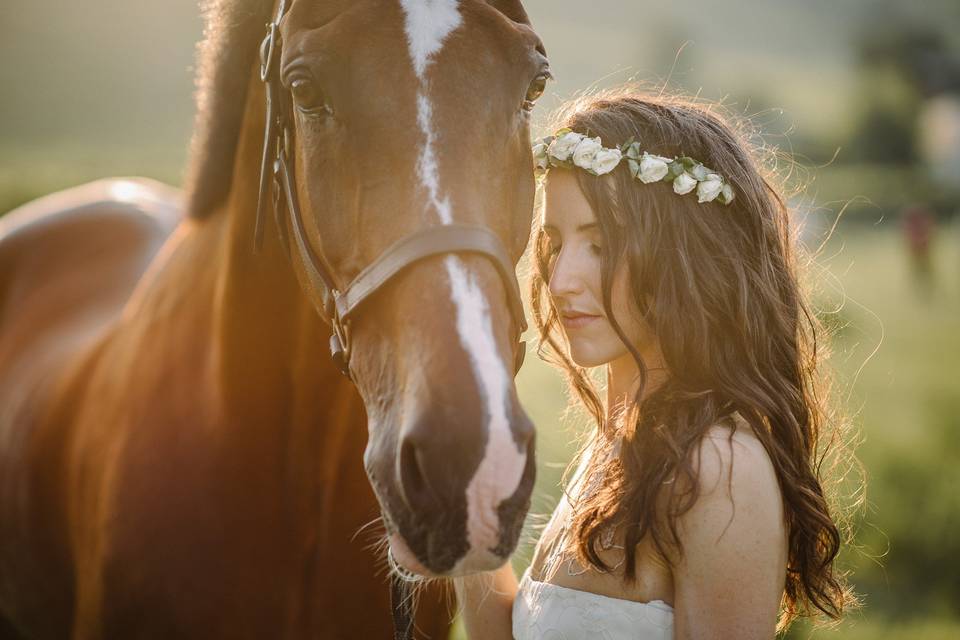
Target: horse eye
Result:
[[308, 96], [536, 90]]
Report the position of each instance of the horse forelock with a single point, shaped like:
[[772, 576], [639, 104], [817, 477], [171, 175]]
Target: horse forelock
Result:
[[225, 56]]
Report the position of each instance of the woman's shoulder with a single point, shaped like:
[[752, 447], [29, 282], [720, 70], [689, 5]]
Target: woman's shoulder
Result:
[[731, 451], [734, 476], [733, 538]]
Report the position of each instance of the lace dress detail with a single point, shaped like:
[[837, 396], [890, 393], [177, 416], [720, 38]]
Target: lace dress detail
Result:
[[545, 611]]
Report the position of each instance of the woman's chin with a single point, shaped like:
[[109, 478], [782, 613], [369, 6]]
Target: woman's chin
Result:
[[586, 358]]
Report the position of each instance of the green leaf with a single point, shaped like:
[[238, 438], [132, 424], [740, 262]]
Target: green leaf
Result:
[[726, 194], [634, 167]]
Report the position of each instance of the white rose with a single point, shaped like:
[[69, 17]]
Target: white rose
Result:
[[540, 159], [700, 172], [726, 194], [652, 168], [710, 188], [562, 147], [684, 183], [585, 152], [606, 160]]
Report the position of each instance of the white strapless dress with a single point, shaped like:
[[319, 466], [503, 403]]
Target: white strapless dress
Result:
[[545, 611]]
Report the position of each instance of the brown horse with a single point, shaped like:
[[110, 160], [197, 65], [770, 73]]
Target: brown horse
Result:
[[179, 458]]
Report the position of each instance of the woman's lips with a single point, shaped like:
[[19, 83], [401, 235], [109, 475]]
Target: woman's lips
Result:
[[577, 320]]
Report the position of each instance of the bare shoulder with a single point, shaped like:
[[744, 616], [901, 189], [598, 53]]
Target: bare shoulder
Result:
[[737, 489], [733, 459], [730, 574]]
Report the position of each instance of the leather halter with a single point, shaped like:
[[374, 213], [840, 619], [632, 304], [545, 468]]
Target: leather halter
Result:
[[339, 306], [336, 305]]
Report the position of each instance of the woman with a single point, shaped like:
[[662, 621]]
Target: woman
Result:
[[697, 509]]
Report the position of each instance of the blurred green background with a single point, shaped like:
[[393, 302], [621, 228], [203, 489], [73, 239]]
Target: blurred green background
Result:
[[864, 93]]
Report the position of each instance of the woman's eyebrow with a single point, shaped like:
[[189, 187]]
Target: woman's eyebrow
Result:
[[589, 226]]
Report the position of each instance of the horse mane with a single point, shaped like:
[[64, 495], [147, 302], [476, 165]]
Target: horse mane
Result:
[[232, 31]]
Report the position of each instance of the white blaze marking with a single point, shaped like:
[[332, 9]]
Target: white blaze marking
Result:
[[502, 465], [427, 167], [427, 24]]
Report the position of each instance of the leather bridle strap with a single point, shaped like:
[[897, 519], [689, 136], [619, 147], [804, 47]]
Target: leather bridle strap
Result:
[[274, 129], [432, 241], [452, 238]]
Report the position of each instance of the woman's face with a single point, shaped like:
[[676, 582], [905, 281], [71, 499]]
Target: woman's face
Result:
[[576, 247]]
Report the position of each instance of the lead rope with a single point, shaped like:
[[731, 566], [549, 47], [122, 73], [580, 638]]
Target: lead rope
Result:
[[402, 608]]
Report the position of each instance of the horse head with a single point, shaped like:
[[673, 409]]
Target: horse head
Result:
[[398, 146]]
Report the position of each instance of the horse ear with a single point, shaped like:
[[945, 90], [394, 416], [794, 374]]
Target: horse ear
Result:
[[513, 9]]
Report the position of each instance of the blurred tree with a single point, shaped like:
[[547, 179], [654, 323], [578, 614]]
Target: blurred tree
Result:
[[902, 63]]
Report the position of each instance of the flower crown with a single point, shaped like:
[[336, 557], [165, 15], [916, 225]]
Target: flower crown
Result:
[[567, 148]]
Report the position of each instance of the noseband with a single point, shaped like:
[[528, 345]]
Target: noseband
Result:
[[339, 306]]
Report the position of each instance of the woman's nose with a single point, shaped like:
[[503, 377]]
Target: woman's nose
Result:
[[565, 279]]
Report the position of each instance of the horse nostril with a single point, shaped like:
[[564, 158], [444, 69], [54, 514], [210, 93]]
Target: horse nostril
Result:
[[413, 481]]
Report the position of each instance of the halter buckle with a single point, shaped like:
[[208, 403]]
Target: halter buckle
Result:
[[340, 343], [267, 49]]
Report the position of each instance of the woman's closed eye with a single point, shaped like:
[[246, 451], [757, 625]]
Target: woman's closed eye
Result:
[[595, 249]]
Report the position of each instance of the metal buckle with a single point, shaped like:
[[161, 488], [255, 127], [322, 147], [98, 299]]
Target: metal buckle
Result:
[[340, 342], [267, 48], [286, 141], [276, 187]]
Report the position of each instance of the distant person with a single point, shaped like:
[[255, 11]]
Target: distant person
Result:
[[918, 229], [697, 508]]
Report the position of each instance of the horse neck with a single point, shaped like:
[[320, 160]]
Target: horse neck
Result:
[[292, 425], [264, 325]]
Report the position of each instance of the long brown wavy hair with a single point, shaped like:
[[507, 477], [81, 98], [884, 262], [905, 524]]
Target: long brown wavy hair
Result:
[[720, 287]]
